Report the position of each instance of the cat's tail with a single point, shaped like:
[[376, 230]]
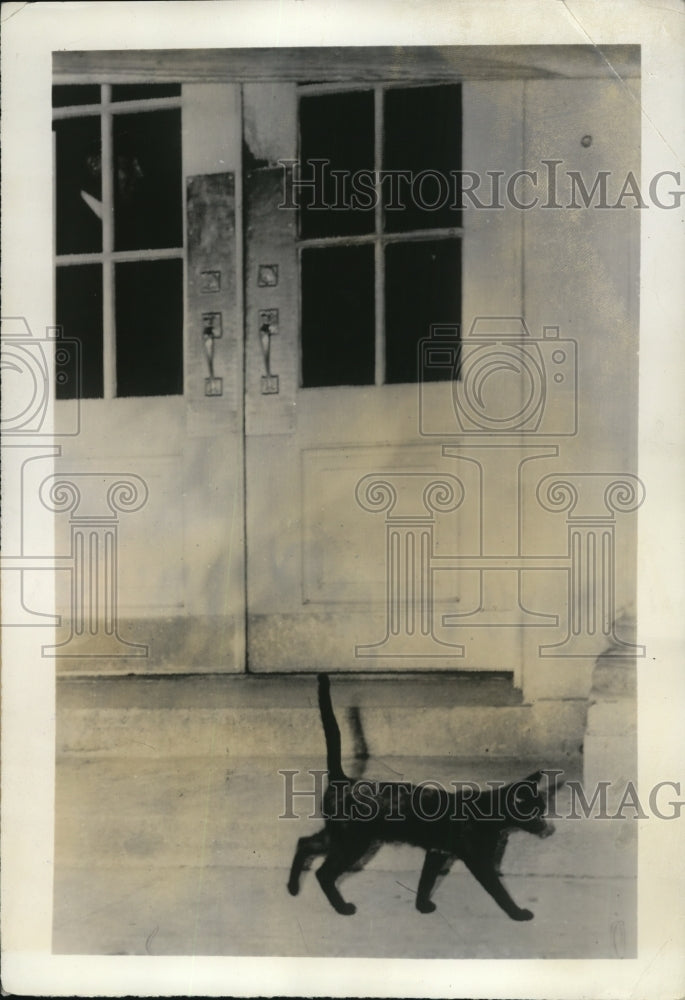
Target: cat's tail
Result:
[[330, 731]]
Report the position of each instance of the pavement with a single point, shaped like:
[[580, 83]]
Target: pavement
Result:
[[187, 855]]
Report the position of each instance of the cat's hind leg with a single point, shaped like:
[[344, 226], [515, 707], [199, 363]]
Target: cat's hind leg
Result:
[[307, 848]]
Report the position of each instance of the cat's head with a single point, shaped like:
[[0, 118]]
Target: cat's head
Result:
[[525, 805]]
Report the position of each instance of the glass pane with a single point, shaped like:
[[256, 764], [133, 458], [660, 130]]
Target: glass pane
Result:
[[422, 287], [67, 95], [78, 196], [423, 138], [78, 293], [144, 91], [338, 128], [147, 180], [338, 316], [149, 324]]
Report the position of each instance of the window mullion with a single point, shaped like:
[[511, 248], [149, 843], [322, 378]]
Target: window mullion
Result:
[[108, 305], [379, 250]]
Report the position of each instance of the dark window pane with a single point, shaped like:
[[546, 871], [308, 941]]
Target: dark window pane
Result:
[[78, 185], [149, 323], [147, 180], [422, 287], [144, 91], [422, 137], [78, 293], [338, 316], [338, 128], [67, 95]]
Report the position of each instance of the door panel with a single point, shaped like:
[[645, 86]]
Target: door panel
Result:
[[317, 580], [349, 505]]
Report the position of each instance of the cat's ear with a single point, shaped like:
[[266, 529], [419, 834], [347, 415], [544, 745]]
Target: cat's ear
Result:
[[552, 779], [534, 779]]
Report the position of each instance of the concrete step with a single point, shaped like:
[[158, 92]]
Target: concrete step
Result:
[[451, 689], [247, 716], [432, 731]]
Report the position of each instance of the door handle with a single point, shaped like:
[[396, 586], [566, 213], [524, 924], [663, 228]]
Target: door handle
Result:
[[268, 328]]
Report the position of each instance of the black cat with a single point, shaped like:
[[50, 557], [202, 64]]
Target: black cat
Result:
[[361, 815]]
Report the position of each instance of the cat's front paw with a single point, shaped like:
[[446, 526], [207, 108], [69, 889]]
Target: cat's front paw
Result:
[[347, 909], [425, 906], [293, 888], [523, 915]]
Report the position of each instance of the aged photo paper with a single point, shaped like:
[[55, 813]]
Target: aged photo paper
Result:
[[342, 468]]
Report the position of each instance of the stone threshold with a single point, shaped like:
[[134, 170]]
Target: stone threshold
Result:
[[440, 689]]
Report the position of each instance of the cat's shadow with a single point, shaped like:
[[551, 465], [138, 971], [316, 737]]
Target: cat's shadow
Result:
[[361, 749]]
